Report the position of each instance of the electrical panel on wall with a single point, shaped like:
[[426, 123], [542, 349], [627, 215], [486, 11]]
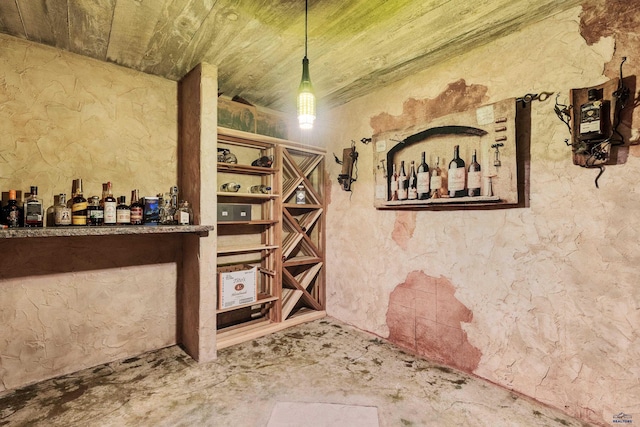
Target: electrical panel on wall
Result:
[[470, 159]]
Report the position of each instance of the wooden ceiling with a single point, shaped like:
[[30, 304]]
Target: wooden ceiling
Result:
[[354, 45]]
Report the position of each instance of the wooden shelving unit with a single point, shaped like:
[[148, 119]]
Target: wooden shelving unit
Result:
[[284, 239]]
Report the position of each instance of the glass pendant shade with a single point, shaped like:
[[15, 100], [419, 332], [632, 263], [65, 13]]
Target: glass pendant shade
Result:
[[306, 99]]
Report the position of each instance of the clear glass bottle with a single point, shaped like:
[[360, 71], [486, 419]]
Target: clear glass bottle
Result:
[[403, 183], [230, 187], [260, 189], [184, 214], [137, 209], [79, 205], [123, 211], [110, 205], [301, 195], [394, 184], [62, 213], [33, 210]]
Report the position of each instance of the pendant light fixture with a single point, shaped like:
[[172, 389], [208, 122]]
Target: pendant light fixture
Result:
[[306, 98]]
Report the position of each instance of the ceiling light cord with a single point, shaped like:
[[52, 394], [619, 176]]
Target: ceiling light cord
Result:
[[306, 98]]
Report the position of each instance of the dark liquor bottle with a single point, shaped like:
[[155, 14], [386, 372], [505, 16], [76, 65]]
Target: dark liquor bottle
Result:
[[436, 180], [137, 209], [33, 211], [456, 174], [394, 184], [78, 205], [12, 213], [123, 211], [403, 183], [95, 211], [110, 205], [474, 177], [593, 117], [423, 179], [413, 182]]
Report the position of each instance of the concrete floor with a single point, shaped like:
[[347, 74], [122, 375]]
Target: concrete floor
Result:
[[323, 373]]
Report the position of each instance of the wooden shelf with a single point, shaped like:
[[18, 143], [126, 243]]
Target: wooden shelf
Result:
[[262, 299], [247, 196], [79, 231], [305, 206], [245, 169], [252, 222], [244, 249]]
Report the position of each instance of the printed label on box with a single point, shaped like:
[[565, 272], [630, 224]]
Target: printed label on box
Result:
[[237, 287]]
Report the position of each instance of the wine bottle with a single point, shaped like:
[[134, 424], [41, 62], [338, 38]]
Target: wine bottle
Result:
[[413, 182], [136, 208], [62, 213], [394, 184], [474, 177], [123, 211], [403, 183], [456, 174], [33, 212], [78, 205], [12, 213], [110, 207], [436, 180], [423, 179]]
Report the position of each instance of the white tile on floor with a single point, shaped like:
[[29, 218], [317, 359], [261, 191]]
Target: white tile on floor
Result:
[[299, 414]]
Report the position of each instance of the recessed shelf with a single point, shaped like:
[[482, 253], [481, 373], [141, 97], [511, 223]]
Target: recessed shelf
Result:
[[252, 222], [244, 169], [247, 196], [262, 299], [244, 249]]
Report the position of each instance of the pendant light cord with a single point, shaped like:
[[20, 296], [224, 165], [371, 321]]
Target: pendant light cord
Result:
[[306, 14]]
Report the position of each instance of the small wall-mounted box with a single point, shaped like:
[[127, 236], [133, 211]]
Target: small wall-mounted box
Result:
[[234, 212]]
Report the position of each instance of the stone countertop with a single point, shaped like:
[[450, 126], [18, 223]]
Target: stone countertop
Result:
[[73, 231]]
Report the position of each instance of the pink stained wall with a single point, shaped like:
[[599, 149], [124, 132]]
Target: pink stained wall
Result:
[[542, 300]]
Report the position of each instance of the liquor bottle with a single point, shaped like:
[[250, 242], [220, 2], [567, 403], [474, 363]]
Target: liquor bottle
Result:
[[436, 180], [110, 205], [137, 209], [301, 195], [78, 205], [33, 211], [184, 214], [260, 189], [403, 183], [456, 174], [474, 177], [123, 211], [12, 213], [423, 179], [413, 182], [95, 211], [394, 184], [230, 187], [593, 116], [62, 213]]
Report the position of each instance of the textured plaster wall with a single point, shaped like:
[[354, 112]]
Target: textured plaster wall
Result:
[[544, 299], [66, 304]]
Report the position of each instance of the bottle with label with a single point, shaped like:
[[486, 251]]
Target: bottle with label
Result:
[[137, 209], [474, 177], [33, 210], [12, 214], [413, 182], [403, 183], [123, 211], [593, 116], [301, 195], [436, 180], [95, 211], [423, 179], [78, 205], [230, 187], [184, 214], [260, 189], [62, 213], [110, 207], [394, 184], [457, 174]]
